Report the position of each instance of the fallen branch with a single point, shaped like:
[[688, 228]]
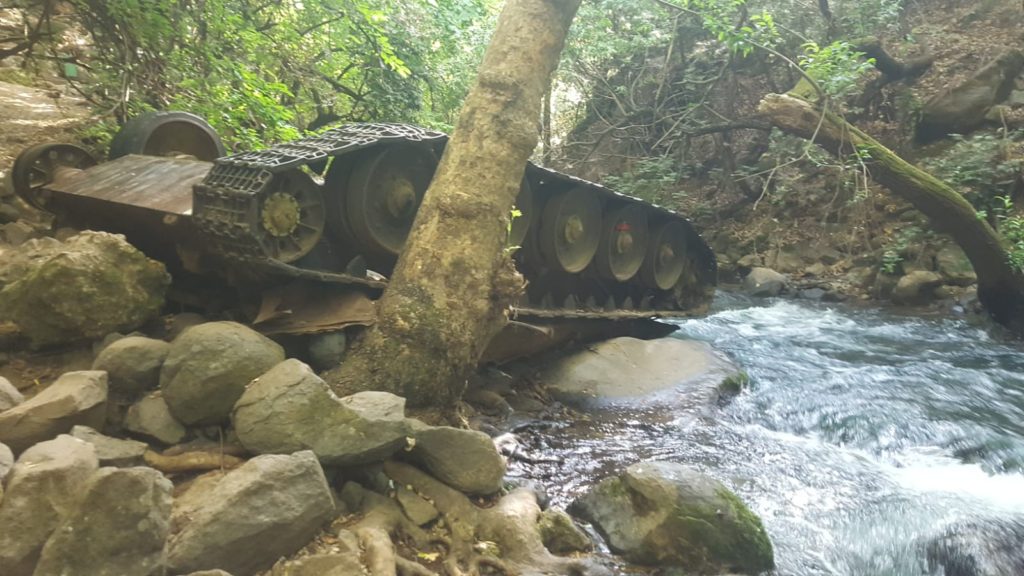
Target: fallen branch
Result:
[[191, 461]]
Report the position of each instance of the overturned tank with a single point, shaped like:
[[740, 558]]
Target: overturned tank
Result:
[[301, 237]]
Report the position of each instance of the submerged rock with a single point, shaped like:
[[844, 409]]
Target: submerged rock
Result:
[[764, 282], [290, 408], [208, 367], [464, 459], [118, 528], [979, 548], [267, 508], [91, 285], [661, 513], [75, 398]]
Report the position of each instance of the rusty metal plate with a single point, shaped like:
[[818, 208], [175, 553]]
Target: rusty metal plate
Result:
[[157, 183]]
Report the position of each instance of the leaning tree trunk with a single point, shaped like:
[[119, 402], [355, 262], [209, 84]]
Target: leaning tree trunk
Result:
[[1000, 286], [455, 281]]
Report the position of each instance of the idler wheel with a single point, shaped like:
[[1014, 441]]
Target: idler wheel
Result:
[[290, 216], [623, 245], [521, 223], [666, 256], [37, 166], [384, 194], [570, 230], [167, 134]]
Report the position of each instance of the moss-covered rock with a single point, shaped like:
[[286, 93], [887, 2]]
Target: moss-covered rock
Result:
[[665, 514]]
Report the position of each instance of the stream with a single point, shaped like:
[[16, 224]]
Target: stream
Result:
[[863, 432]]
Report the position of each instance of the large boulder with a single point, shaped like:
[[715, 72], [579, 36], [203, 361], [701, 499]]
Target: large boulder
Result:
[[75, 398], [133, 364], [464, 459], [979, 548], [91, 285], [963, 107], [954, 266], [915, 288], [630, 371], [560, 534], [764, 282], [42, 489], [208, 367], [290, 408], [112, 451], [118, 527], [9, 395], [151, 418], [269, 507], [666, 514]]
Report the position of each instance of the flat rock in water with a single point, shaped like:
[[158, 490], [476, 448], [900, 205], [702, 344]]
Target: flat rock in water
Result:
[[208, 368], [42, 489], [628, 371], [666, 514], [112, 451], [151, 418], [463, 459], [269, 507], [290, 408], [133, 364], [9, 395], [118, 528], [75, 398]]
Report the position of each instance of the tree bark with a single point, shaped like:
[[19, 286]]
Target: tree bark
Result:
[[1000, 286], [455, 281]]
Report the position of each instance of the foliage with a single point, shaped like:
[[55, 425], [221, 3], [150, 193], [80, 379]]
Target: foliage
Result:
[[1011, 227], [836, 67], [868, 17], [892, 256], [982, 167], [651, 179]]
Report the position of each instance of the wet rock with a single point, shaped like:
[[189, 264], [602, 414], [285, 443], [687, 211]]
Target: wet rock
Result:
[[814, 294], [661, 513], [416, 507], [17, 233], [464, 459], [133, 364], [267, 508], [112, 451], [347, 564], [118, 528], [979, 548], [955, 268], [42, 489], [962, 108], [91, 285], [151, 418], [75, 398], [290, 408], [915, 288], [9, 395], [629, 371], [764, 282], [208, 367], [327, 350], [560, 534]]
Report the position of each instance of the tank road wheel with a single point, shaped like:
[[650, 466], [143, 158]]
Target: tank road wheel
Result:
[[570, 230], [384, 194], [666, 256], [623, 243], [290, 216], [521, 223], [37, 166], [167, 134]]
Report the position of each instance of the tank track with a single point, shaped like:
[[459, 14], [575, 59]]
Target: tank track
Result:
[[224, 204]]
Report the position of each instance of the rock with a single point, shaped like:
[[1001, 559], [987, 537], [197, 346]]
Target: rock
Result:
[[181, 322], [210, 573], [463, 459], [151, 418], [6, 463], [883, 285], [560, 534], [208, 368], [112, 451], [764, 282], [75, 398], [666, 514], [861, 276], [785, 260], [915, 288], [9, 395], [118, 528], [979, 548], [269, 507], [327, 350], [814, 294], [816, 269], [290, 408], [629, 371], [960, 109], [42, 489], [133, 364], [347, 564], [416, 507], [749, 261], [955, 268], [91, 285], [8, 213], [17, 233], [16, 263]]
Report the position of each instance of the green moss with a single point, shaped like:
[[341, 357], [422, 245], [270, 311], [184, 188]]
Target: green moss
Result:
[[734, 383]]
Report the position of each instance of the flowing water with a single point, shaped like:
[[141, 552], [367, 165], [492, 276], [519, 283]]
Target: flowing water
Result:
[[862, 435]]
